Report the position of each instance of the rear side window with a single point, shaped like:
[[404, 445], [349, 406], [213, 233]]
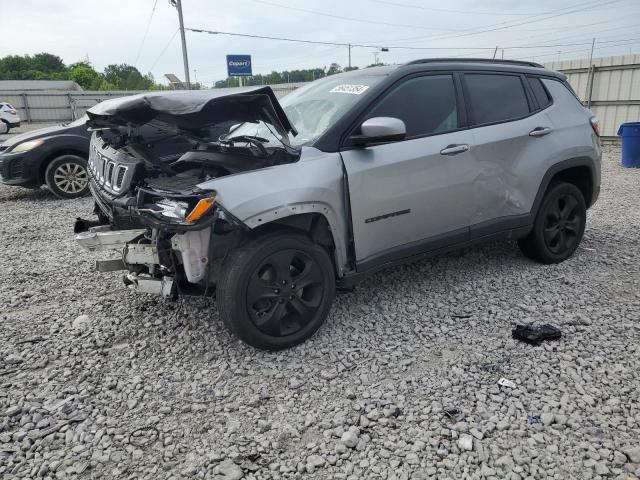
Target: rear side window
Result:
[[427, 105], [541, 94], [495, 98]]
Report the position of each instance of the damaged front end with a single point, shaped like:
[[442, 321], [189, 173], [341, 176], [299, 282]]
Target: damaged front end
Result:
[[172, 234]]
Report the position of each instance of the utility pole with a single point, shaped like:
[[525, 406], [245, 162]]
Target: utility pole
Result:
[[349, 56], [494, 52], [178, 5], [592, 73]]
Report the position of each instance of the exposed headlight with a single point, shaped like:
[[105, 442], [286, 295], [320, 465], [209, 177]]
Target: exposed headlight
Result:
[[173, 209], [26, 146], [181, 211]]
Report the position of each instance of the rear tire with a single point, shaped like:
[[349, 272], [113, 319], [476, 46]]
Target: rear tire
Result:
[[67, 177], [7, 125], [559, 225], [276, 291]]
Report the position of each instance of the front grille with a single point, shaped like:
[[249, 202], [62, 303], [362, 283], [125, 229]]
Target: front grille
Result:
[[3, 148], [120, 177], [110, 175]]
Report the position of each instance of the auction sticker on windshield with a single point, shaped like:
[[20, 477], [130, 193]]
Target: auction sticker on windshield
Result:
[[353, 89]]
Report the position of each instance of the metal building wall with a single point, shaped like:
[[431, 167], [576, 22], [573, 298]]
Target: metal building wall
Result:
[[615, 94]]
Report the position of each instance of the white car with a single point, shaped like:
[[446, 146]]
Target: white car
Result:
[[9, 116]]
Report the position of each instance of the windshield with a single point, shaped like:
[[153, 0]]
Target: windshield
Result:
[[312, 109], [76, 123]]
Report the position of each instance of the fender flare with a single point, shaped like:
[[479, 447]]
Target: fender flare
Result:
[[300, 208], [558, 168]]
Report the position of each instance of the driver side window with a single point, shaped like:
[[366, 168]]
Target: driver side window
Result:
[[427, 105]]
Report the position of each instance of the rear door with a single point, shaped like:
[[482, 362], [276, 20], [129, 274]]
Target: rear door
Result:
[[513, 144], [412, 195]]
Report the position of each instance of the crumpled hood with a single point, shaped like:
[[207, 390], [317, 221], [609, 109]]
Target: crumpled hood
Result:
[[193, 109]]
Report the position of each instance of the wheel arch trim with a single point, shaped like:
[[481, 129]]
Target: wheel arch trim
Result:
[[289, 210], [560, 167]]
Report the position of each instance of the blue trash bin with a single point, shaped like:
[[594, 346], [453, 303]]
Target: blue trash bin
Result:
[[630, 133]]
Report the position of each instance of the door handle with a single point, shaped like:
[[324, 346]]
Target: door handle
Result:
[[540, 132], [454, 149]]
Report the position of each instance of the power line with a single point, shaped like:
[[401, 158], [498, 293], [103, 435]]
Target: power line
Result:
[[146, 32], [421, 7], [165, 48], [350, 19], [395, 47], [504, 25]]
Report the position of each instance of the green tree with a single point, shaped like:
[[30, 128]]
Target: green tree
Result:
[[334, 68], [127, 77], [48, 63], [84, 75]]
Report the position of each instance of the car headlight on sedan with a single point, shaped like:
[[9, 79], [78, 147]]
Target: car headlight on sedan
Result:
[[26, 146]]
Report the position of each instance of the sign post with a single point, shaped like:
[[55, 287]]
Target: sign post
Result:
[[239, 66]]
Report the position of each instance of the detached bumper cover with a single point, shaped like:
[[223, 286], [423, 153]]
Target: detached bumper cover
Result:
[[100, 239]]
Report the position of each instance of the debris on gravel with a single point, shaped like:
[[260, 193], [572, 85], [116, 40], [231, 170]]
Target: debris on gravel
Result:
[[97, 381]]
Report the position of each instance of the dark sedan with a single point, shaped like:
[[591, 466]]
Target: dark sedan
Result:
[[55, 156]]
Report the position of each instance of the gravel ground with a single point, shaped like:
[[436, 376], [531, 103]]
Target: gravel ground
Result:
[[402, 381]]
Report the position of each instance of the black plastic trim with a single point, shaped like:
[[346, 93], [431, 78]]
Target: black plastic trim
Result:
[[447, 245]]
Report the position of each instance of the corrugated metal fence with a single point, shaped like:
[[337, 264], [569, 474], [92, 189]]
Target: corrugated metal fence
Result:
[[610, 86], [62, 106]]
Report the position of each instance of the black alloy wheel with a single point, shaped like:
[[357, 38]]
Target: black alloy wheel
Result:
[[277, 290], [285, 292], [559, 225], [562, 224]]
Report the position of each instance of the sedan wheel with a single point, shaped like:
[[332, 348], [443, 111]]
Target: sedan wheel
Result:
[[67, 176]]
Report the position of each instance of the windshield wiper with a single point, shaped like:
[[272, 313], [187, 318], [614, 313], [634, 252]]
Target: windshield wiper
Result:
[[244, 138], [251, 140]]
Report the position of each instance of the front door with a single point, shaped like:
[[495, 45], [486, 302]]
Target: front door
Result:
[[414, 194]]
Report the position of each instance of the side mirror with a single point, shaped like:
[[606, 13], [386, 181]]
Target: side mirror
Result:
[[380, 129]]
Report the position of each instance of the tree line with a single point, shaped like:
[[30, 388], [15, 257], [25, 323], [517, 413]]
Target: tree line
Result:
[[45, 66], [286, 76]]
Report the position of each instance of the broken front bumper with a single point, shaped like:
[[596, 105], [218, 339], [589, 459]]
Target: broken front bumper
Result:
[[152, 269]]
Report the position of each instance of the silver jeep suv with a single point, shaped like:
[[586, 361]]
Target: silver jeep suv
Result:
[[274, 204]]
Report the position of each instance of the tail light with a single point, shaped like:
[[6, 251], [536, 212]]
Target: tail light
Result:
[[595, 125], [12, 112]]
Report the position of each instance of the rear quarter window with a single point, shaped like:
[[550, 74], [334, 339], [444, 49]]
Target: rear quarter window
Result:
[[539, 92], [495, 98]]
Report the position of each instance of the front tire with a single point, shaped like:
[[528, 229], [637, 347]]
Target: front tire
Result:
[[67, 177], [559, 225], [276, 291]]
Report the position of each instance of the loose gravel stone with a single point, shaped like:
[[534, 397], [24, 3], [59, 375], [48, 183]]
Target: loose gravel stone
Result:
[[144, 388]]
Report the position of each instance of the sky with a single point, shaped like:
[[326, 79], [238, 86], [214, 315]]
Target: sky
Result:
[[144, 32]]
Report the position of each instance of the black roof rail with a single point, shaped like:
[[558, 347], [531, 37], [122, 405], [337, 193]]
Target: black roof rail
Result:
[[474, 60]]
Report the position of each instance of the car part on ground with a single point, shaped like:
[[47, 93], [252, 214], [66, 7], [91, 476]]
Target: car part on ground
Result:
[[362, 176]]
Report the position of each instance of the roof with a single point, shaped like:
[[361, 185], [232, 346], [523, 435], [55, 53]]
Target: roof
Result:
[[488, 64], [26, 85]]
